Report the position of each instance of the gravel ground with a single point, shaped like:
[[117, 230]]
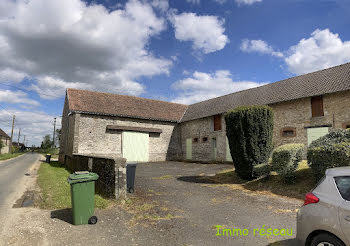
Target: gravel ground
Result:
[[170, 207]]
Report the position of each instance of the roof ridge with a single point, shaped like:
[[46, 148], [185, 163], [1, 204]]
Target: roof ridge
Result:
[[114, 94], [273, 83]]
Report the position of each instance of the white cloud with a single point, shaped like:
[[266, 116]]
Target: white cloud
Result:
[[259, 46], [194, 1], [206, 32], [79, 45], [247, 2], [322, 50], [163, 5], [19, 97], [203, 86], [34, 124]]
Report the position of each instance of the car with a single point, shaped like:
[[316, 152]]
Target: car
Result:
[[324, 219]]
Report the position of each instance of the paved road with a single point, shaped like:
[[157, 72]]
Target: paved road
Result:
[[12, 178]]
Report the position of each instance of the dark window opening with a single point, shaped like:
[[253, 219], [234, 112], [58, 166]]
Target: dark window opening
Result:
[[288, 132], [217, 122], [195, 140], [343, 185], [317, 106], [347, 127], [205, 139]]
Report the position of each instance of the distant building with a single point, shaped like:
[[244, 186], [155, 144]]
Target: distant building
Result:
[[138, 129], [5, 139]]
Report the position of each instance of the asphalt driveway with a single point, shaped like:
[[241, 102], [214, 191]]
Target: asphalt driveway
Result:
[[198, 208], [172, 205]]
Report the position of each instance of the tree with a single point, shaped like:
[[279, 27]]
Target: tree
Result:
[[47, 142], [249, 131]]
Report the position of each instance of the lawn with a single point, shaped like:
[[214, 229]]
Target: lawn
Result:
[[273, 185], [52, 180], [9, 156]]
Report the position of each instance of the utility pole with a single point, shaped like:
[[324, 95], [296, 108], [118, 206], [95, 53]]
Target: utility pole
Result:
[[54, 132], [24, 140], [13, 124], [19, 135]]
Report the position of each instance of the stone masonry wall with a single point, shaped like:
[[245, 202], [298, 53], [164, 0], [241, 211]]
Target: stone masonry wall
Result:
[[204, 128], [297, 114], [111, 171], [92, 137], [293, 114]]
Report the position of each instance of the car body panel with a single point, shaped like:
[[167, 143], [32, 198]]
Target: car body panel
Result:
[[328, 214]]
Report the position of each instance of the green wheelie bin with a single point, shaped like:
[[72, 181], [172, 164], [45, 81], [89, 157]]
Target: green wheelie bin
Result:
[[83, 197]]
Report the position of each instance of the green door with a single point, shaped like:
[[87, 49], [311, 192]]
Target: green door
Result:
[[189, 149], [135, 146], [315, 133], [228, 152]]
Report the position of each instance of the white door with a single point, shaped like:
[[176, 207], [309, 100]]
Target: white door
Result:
[[228, 152], [135, 146], [315, 133], [189, 149]]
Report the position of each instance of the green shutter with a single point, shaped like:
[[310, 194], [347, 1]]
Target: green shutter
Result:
[[315, 133], [135, 146], [189, 149]]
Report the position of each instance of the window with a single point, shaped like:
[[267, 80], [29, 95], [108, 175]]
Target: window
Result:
[[343, 184], [288, 132], [317, 106], [346, 125], [217, 122], [195, 140], [205, 139]]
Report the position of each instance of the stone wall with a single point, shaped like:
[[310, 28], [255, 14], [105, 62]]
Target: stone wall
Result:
[[292, 114], [92, 137], [111, 171], [6, 145], [204, 128], [297, 114]]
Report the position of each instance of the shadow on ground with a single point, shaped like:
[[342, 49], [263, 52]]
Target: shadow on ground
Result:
[[288, 242], [62, 214]]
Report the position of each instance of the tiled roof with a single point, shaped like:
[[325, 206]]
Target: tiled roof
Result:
[[124, 106], [322, 82], [3, 134]]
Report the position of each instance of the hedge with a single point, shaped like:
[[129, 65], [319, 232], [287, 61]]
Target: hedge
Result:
[[249, 131], [261, 170], [331, 150], [285, 160]]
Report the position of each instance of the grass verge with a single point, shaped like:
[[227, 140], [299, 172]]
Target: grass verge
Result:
[[52, 180], [274, 184], [9, 156]]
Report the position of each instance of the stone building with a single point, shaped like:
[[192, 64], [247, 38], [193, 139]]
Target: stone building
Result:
[[6, 142], [305, 107]]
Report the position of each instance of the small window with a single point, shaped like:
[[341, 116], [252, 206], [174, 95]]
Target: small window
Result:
[[217, 122], [346, 125], [195, 140], [205, 139], [343, 184], [288, 132], [317, 106]]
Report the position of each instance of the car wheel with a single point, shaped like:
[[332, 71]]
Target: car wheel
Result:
[[326, 240]]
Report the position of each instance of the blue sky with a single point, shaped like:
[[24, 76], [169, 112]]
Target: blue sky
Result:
[[182, 51]]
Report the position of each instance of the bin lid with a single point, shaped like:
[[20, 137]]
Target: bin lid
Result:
[[83, 176]]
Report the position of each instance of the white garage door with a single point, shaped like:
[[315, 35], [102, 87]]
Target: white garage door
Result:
[[135, 146], [315, 133]]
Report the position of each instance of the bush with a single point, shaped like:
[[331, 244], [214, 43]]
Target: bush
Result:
[[285, 160], [261, 170], [249, 131], [331, 150]]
